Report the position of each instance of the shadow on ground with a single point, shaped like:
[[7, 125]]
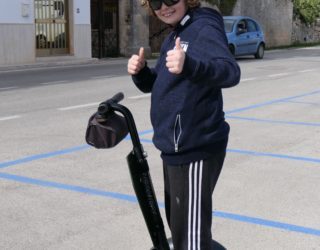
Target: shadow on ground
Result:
[[217, 246]]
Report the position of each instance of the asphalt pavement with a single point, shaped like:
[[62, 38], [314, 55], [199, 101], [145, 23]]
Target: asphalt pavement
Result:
[[57, 61], [56, 192]]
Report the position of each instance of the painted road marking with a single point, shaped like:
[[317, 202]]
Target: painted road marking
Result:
[[279, 74], [133, 199], [54, 82], [97, 103], [248, 79], [311, 124], [8, 88], [79, 106], [254, 106], [85, 146], [306, 70], [140, 96], [43, 156], [9, 117], [102, 77]]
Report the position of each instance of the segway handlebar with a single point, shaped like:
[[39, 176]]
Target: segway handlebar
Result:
[[104, 107], [117, 97], [139, 171], [112, 105]]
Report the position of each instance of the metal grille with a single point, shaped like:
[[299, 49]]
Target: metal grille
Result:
[[51, 27], [104, 28], [110, 28]]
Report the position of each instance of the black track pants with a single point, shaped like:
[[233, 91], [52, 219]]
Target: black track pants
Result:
[[188, 202]]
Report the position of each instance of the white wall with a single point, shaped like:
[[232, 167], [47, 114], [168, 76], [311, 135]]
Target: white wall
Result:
[[16, 11], [81, 11], [17, 30], [13, 49], [12, 11], [81, 34]]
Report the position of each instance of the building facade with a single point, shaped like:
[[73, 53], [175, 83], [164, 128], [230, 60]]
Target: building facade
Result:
[[30, 29], [35, 28], [81, 28]]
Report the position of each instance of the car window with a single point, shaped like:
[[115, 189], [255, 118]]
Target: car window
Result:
[[228, 25], [242, 26], [252, 27]]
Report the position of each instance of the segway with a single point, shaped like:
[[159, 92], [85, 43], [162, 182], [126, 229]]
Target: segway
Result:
[[105, 130]]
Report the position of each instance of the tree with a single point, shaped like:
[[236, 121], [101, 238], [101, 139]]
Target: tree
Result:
[[307, 10]]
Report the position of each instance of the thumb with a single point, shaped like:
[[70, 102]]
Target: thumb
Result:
[[141, 53], [178, 44]]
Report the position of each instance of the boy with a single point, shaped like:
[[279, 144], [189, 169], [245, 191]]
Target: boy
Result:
[[187, 113]]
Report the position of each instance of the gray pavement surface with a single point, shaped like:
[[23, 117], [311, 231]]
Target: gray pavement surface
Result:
[[48, 62], [58, 61], [58, 193]]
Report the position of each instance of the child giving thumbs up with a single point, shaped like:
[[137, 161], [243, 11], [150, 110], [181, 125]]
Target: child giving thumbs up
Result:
[[175, 58], [136, 62], [189, 127]]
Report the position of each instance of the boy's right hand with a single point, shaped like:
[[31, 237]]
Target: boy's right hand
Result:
[[136, 62]]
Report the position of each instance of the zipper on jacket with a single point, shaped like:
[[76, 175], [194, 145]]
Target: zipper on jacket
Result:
[[177, 126]]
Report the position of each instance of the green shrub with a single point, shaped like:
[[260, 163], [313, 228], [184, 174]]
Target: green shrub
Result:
[[307, 10]]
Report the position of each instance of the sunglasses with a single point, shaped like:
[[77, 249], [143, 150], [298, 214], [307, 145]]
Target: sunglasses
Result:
[[156, 4]]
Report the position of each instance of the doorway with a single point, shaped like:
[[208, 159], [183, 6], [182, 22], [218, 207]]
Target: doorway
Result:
[[51, 27], [105, 28]]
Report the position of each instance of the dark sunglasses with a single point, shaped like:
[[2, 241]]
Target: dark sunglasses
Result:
[[156, 4]]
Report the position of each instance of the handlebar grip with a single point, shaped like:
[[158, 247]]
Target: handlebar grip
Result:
[[117, 97], [105, 106]]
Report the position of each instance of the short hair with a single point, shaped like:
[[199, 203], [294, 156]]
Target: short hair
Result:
[[193, 3]]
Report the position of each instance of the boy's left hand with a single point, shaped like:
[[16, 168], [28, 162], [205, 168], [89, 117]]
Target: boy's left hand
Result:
[[175, 58]]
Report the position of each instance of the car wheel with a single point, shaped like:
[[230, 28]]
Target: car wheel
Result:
[[260, 52], [232, 49]]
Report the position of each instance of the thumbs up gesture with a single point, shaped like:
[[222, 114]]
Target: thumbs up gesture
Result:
[[136, 62], [175, 58]]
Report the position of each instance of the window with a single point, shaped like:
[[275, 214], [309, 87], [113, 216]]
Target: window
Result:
[[252, 27]]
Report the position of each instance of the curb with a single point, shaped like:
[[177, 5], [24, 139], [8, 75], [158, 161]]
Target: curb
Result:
[[60, 61], [47, 63]]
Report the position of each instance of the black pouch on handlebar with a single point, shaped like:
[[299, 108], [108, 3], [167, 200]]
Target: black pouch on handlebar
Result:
[[106, 132]]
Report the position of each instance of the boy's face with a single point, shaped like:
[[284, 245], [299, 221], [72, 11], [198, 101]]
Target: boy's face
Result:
[[172, 14]]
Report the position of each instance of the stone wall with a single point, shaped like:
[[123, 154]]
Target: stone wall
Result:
[[134, 28], [275, 17], [302, 33]]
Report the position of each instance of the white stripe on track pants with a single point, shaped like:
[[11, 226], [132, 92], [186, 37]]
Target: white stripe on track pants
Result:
[[188, 201]]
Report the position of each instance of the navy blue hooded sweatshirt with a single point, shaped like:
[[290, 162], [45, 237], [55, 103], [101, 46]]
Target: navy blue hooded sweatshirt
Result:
[[187, 109]]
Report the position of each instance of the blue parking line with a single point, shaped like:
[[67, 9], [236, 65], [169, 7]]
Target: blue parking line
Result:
[[259, 105], [311, 124], [84, 147], [307, 103], [145, 132], [133, 199], [254, 153], [267, 223], [42, 156], [51, 184], [289, 157]]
